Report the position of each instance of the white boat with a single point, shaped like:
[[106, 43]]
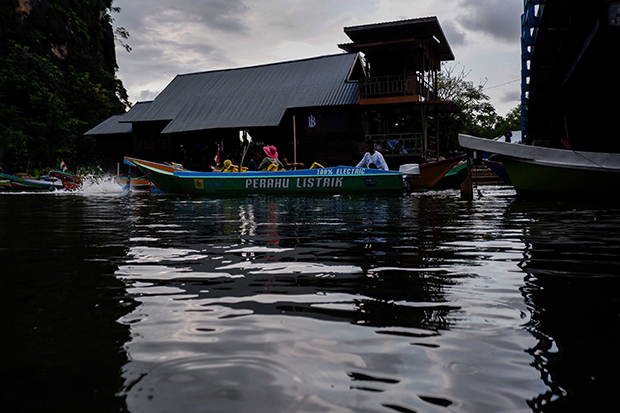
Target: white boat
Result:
[[538, 170]]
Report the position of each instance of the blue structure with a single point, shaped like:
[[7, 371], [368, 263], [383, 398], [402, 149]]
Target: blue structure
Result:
[[569, 84], [530, 21]]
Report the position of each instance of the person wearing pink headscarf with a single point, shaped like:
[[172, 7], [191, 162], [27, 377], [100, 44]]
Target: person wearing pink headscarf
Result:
[[271, 161]]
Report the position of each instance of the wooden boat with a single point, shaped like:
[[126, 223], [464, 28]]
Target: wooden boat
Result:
[[336, 180], [432, 172], [454, 177], [537, 170], [69, 181], [25, 184], [138, 183]]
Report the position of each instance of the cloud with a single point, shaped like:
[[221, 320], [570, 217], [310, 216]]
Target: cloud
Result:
[[455, 35], [169, 37], [500, 19]]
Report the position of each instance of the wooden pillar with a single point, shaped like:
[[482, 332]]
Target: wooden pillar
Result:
[[424, 121]]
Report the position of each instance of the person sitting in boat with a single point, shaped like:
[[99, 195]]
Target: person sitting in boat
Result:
[[271, 161], [255, 161], [289, 166], [372, 159], [229, 166]]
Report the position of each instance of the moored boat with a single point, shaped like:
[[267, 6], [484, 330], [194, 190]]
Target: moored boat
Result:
[[336, 180], [138, 183], [537, 170], [13, 182], [432, 172], [69, 181]]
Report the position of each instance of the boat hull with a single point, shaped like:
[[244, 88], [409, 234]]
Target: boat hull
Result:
[[69, 181], [140, 183], [547, 171], [532, 179], [454, 177], [431, 173], [335, 180], [16, 183]]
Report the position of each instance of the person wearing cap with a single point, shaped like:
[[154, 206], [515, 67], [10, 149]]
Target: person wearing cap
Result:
[[372, 158], [271, 161]]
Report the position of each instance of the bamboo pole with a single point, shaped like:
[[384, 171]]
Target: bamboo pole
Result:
[[294, 141]]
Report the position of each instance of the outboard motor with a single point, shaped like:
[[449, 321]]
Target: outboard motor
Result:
[[409, 171]]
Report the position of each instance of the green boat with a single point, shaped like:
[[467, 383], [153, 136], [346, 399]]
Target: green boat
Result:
[[336, 180], [16, 183], [539, 171]]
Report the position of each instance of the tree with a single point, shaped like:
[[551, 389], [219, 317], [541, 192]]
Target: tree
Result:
[[57, 80], [477, 116]]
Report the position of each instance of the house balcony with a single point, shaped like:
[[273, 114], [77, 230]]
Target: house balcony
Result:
[[396, 86], [404, 144]]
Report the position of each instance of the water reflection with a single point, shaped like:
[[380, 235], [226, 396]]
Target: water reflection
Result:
[[62, 345], [573, 266], [369, 304], [342, 303]]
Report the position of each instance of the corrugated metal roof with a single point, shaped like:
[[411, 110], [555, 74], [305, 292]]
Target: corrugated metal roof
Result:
[[252, 96], [136, 111], [110, 126], [401, 29]]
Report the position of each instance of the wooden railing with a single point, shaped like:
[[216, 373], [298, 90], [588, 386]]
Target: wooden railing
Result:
[[402, 144], [396, 85], [398, 144]]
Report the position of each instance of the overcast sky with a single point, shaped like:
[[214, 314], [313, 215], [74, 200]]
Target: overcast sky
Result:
[[170, 37]]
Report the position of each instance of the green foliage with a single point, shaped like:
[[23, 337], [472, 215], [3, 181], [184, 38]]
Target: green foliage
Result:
[[57, 80], [477, 117]]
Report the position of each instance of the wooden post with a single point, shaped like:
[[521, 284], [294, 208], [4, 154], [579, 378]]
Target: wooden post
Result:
[[467, 190]]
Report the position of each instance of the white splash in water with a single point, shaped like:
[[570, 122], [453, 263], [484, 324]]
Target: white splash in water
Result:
[[100, 184]]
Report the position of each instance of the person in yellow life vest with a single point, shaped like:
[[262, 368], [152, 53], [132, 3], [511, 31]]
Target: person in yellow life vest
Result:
[[271, 161], [229, 167]]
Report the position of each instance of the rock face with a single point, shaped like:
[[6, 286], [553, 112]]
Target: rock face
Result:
[[68, 28], [24, 7], [58, 80]]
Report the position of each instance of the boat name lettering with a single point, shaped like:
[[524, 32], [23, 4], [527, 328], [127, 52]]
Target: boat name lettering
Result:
[[319, 182], [350, 171], [267, 183]]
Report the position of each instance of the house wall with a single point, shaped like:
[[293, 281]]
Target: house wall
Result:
[[330, 136]]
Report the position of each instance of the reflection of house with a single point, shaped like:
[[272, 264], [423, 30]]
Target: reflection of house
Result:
[[384, 88]]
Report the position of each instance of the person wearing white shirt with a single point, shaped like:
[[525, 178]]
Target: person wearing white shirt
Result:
[[372, 158]]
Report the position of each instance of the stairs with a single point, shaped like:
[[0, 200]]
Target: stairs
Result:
[[481, 175]]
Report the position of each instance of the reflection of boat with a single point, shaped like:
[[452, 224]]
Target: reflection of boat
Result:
[[432, 172], [26, 184], [539, 170], [341, 179]]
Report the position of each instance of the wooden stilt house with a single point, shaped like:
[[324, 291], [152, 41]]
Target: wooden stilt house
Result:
[[398, 97], [319, 109]]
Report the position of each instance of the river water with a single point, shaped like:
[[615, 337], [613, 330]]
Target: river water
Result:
[[117, 302]]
